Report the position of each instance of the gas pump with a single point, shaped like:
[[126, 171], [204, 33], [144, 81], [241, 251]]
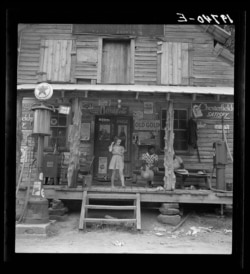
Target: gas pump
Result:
[[220, 161]]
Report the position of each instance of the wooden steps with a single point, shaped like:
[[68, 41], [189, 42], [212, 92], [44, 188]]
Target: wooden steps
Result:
[[111, 197]]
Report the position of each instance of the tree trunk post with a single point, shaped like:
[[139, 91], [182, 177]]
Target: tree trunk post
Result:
[[74, 140], [169, 178]]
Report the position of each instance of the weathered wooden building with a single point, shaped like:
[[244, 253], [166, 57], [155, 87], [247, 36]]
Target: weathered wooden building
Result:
[[117, 79]]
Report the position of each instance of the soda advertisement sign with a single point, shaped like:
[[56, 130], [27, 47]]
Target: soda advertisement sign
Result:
[[213, 111]]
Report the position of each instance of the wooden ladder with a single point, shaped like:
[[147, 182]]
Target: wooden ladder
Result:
[[110, 196]]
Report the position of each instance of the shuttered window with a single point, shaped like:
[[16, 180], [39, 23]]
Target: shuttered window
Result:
[[55, 60], [174, 63]]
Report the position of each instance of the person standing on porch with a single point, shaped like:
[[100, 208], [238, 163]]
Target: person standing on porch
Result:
[[149, 165], [117, 160]]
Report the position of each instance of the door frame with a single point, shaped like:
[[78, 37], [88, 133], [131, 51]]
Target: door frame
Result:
[[132, 57], [129, 159]]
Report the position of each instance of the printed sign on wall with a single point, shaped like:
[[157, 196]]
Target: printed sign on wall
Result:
[[85, 131], [148, 107], [102, 165], [213, 111], [147, 125]]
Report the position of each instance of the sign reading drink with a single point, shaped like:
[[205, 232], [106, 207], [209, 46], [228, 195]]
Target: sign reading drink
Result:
[[153, 125], [213, 111]]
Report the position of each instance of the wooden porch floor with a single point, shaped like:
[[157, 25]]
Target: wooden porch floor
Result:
[[147, 194]]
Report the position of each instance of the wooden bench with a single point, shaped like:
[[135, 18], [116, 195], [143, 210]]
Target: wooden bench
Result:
[[159, 176]]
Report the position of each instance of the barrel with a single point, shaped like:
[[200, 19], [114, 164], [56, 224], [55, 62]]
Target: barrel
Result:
[[37, 211]]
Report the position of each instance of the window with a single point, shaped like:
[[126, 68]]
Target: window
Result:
[[180, 129], [58, 129]]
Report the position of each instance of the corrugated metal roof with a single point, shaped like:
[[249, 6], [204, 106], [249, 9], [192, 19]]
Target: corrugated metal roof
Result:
[[136, 88]]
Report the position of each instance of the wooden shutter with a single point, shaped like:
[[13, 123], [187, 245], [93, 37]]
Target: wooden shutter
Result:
[[55, 60], [174, 63]]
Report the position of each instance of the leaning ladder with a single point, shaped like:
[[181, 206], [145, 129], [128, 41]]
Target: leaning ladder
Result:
[[110, 196]]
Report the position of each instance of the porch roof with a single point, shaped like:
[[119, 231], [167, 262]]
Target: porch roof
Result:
[[136, 88]]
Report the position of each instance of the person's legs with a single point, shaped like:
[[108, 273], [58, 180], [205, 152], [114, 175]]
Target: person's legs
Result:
[[113, 178], [150, 179], [122, 177]]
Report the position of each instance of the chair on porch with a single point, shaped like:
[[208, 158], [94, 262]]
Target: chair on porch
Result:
[[84, 174]]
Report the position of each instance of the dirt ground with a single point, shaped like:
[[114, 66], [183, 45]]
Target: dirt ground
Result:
[[214, 236]]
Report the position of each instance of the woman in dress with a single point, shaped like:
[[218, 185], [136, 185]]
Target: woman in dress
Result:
[[117, 160]]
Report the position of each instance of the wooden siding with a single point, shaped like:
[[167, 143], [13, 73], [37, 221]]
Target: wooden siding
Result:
[[145, 61], [205, 69], [208, 69], [29, 56], [86, 57]]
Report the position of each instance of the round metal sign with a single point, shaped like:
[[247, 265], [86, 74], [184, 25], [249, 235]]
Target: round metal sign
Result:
[[43, 91]]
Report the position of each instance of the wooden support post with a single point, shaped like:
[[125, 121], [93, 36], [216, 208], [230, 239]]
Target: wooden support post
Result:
[[138, 211], [169, 178], [74, 140], [137, 95], [168, 96], [86, 94], [217, 97], [82, 224], [19, 135], [194, 96]]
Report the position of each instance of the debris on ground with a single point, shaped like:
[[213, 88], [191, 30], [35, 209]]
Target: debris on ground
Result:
[[159, 234], [160, 229], [194, 230], [118, 243], [226, 231]]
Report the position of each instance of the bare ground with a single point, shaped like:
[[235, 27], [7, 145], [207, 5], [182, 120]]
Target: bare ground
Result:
[[154, 238]]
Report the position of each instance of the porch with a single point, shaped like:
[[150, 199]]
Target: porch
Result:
[[199, 196]]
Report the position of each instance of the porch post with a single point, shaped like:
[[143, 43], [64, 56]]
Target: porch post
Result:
[[18, 134], [74, 141], [169, 178]]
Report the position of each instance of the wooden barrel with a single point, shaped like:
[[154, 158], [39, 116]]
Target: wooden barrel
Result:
[[41, 124]]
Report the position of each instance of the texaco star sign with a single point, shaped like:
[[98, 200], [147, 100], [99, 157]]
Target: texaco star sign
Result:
[[43, 91]]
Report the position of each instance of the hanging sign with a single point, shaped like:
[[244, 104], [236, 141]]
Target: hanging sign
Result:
[[153, 125], [43, 91], [213, 111]]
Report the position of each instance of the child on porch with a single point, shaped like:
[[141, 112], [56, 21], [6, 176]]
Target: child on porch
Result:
[[149, 165], [117, 160]]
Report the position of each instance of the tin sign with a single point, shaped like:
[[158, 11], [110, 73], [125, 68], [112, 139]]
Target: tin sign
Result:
[[152, 125], [43, 91]]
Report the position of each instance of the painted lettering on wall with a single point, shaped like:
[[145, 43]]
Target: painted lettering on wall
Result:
[[213, 111]]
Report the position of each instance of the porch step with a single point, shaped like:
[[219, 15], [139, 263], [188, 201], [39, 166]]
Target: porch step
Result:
[[110, 196]]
